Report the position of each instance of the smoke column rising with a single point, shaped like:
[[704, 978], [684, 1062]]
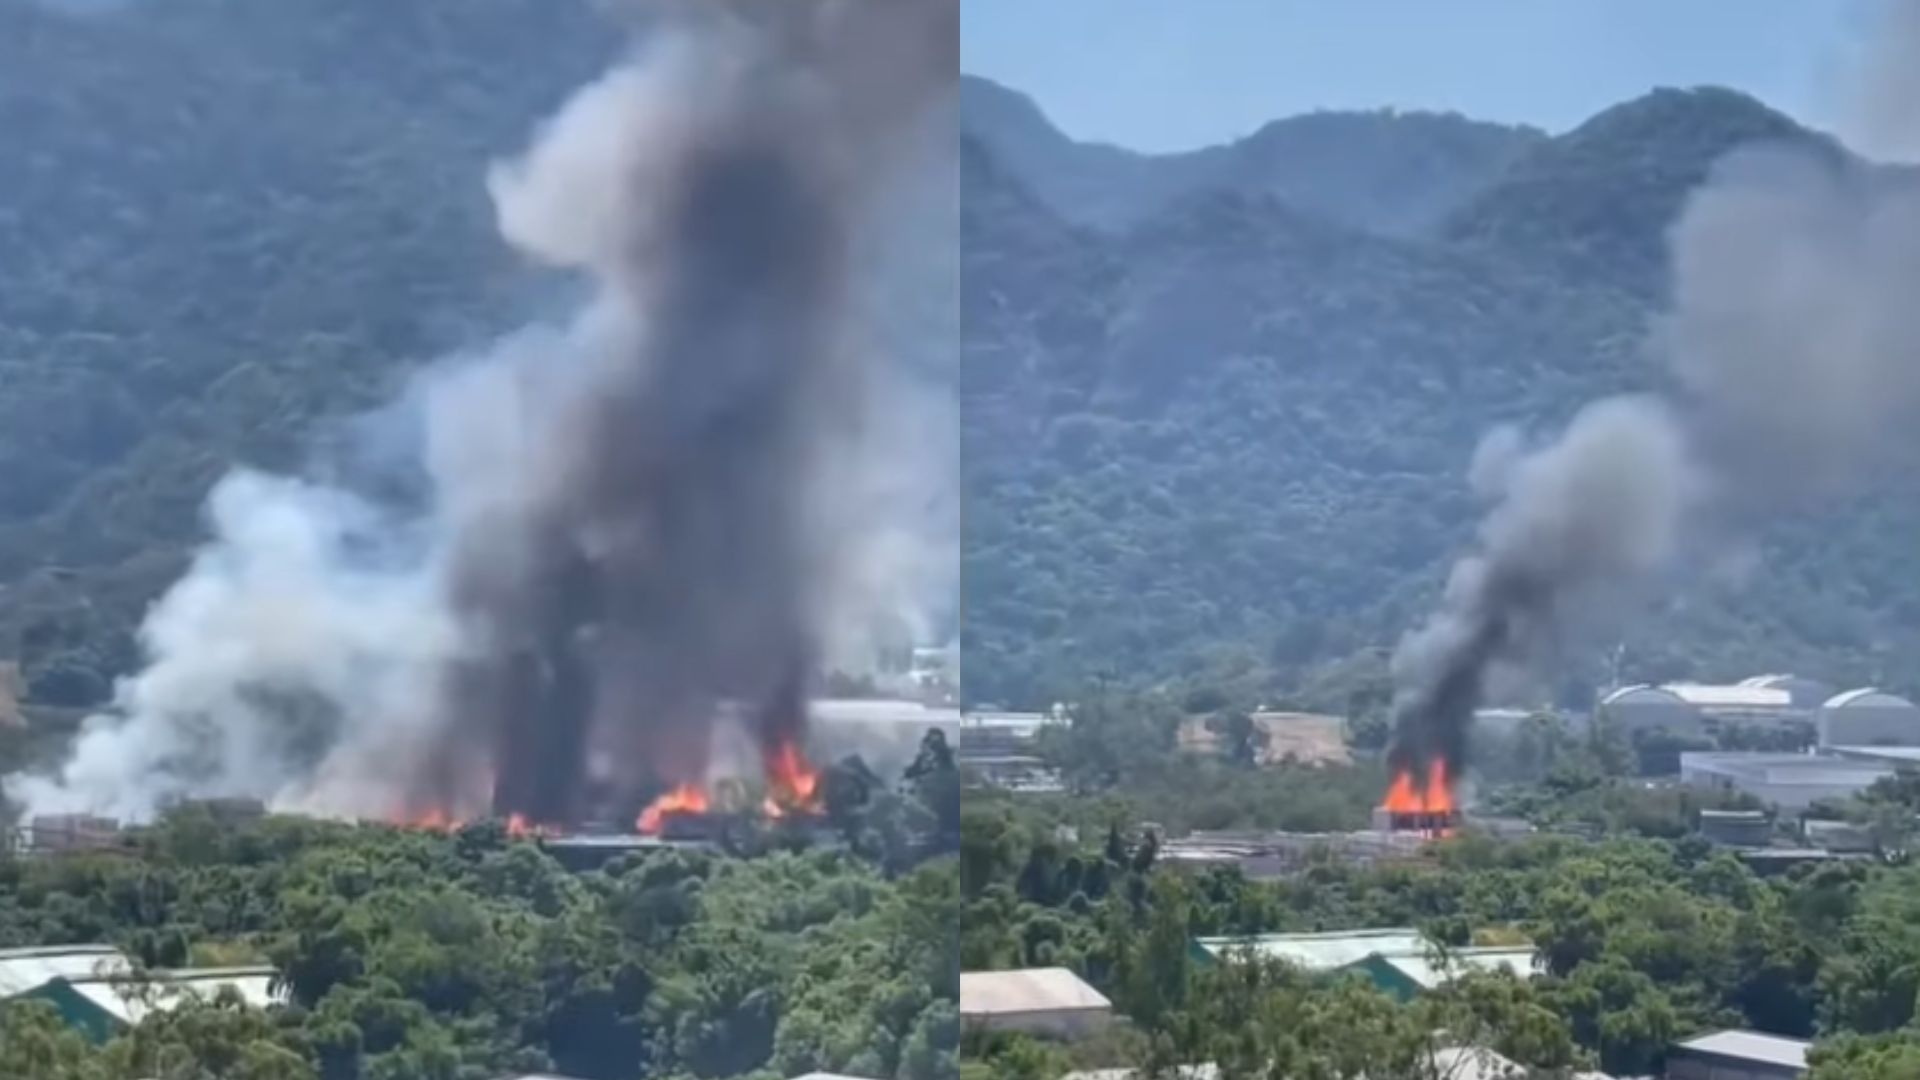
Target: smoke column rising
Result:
[[1793, 335], [637, 517]]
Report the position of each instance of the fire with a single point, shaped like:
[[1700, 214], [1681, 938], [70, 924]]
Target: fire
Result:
[[1433, 797], [520, 828], [792, 782], [432, 819], [685, 799]]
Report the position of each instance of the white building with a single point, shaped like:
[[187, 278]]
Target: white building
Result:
[[1737, 1055], [1868, 717], [1788, 781], [1051, 1002], [883, 731]]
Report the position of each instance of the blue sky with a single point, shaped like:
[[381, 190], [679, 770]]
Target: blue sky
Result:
[[1174, 74]]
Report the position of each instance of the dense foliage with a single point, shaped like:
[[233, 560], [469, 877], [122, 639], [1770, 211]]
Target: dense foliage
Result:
[[1645, 941], [1243, 425], [1648, 933], [413, 955]]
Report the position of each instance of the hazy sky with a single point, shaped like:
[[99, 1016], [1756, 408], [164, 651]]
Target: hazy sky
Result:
[[1174, 74]]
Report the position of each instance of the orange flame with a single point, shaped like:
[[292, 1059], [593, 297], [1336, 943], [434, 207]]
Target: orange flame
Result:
[[792, 782], [685, 799], [1433, 797], [432, 819]]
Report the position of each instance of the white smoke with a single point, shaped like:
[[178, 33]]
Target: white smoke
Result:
[[301, 659]]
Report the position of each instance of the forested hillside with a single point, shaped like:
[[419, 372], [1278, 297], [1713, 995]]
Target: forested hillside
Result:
[[220, 222], [1236, 434]]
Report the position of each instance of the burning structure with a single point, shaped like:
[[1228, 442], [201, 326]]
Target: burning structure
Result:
[[1791, 341], [624, 539]]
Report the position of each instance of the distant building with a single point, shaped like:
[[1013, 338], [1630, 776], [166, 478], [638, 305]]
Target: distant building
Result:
[[1399, 961], [96, 989], [22, 970], [102, 1006], [1843, 837], [1308, 738], [1788, 781], [1804, 693], [1407, 976], [1050, 1002], [1700, 709], [1869, 717], [72, 832], [881, 730], [1737, 828], [1002, 749], [1737, 1055]]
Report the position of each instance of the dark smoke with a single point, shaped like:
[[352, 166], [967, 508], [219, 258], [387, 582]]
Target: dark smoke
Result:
[[670, 574], [1575, 522], [1795, 341], [670, 509]]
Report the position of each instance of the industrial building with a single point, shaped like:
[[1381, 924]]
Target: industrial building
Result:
[[1700, 709], [1050, 1002], [96, 990], [1791, 782], [881, 730], [1400, 962], [1002, 749], [1306, 738], [1737, 1055], [1868, 717]]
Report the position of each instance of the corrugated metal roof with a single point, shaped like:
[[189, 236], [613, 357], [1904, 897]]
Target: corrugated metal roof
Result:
[[1867, 697], [129, 1001], [1748, 697], [1321, 952], [992, 993], [22, 970], [1522, 961], [1752, 1046]]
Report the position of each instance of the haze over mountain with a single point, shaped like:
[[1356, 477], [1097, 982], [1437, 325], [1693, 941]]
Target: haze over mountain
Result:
[[1219, 416], [1393, 173]]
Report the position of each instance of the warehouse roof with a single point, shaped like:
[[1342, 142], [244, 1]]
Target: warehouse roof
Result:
[[1867, 697], [997, 993], [22, 970], [130, 1000], [1746, 697], [1751, 1046], [1321, 952], [1519, 960]]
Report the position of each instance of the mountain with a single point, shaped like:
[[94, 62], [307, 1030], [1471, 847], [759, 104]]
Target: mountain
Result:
[[1388, 172], [1232, 439], [220, 224]]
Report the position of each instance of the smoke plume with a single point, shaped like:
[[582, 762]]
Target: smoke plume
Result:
[[1795, 346], [670, 506]]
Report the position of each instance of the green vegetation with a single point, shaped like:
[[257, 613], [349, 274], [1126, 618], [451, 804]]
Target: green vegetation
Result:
[[412, 955], [1648, 934], [1239, 431]]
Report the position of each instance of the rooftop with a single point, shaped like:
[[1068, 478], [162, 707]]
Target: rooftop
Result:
[[131, 1000], [1519, 960], [22, 970], [997, 993], [1324, 951], [1751, 1046], [1731, 697]]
